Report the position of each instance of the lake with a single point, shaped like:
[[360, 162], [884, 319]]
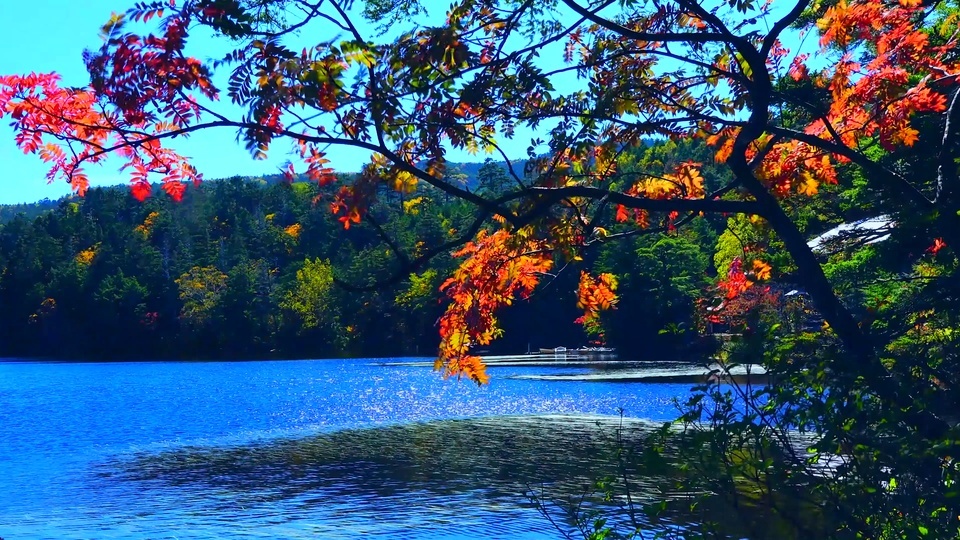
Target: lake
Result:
[[300, 449]]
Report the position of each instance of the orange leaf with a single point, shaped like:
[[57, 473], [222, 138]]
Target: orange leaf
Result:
[[761, 269], [174, 189]]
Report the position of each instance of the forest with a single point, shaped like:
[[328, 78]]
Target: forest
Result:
[[244, 268]]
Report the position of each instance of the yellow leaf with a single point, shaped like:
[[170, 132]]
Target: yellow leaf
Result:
[[808, 185], [405, 182], [293, 230], [412, 206], [909, 136]]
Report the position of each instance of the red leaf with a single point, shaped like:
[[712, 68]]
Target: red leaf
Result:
[[938, 244], [140, 190], [622, 215]]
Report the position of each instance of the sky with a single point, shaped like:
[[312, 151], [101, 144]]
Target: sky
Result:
[[42, 35], [51, 35]]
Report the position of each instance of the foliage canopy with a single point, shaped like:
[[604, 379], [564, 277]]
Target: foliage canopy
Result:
[[871, 105]]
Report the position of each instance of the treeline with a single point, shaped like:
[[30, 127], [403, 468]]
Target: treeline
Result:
[[29, 210], [245, 268]]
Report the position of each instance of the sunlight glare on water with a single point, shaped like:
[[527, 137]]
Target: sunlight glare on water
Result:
[[296, 449]]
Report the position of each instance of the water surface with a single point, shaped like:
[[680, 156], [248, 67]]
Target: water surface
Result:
[[297, 449]]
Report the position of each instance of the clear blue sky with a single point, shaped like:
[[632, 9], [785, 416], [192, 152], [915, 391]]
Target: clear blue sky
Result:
[[43, 35], [50, 35]]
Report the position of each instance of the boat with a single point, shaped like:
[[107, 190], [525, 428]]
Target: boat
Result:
[[581, 352]]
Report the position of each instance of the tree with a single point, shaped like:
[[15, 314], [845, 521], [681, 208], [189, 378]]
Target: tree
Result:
[[201, 290], [314, 303], [782, 125], [122, 306], [660, 280], [492, 180]]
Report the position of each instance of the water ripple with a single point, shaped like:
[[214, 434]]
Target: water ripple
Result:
[[319, 449]]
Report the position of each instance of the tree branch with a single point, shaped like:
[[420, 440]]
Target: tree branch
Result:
[[673, 37], [781, 25], [415, 264], [549, 196], [947, 179]]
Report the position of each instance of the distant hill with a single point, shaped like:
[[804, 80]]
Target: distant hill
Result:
[[32, 210], [470, 171], [29, 210]]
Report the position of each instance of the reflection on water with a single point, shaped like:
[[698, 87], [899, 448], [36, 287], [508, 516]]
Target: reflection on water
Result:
[[443, 476], [313, 449]]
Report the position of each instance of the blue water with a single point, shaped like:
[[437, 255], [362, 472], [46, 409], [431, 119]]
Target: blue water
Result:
[[274, 449]]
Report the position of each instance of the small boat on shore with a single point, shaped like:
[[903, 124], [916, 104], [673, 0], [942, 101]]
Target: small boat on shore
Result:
[[587, 351], [581, 352]]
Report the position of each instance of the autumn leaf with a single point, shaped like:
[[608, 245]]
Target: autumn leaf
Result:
[[938, 244], [496, 269], [596, 294], [761, 270], [622, 215], [140, 190], [404, 182], [293, 231], [808, 185], [412, 206], [735, 282], [174, 189], [85, 257]]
